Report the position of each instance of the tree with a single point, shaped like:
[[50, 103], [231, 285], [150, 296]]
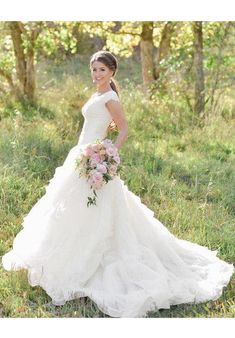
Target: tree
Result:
[[164, 48], [146, 52], [24, 55], [198, 68], [121, 38], [22, 44]]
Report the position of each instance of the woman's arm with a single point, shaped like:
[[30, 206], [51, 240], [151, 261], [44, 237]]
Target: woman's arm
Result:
[[119, 118]]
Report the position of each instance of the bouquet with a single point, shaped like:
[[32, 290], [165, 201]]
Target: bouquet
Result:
[[99, 163]]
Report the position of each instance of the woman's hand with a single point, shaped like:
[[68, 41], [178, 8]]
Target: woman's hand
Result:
[[112, 126]]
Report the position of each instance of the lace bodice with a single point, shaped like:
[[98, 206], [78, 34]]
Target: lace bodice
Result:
[[97, 117]]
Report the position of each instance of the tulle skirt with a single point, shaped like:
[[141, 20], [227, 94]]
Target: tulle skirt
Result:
[[116, 252]]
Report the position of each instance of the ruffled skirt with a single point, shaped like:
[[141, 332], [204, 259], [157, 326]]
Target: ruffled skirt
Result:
[[116, 252]]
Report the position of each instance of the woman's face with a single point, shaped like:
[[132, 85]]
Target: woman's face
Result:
[[100, 73]]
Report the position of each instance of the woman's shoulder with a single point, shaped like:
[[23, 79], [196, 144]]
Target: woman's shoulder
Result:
[[111, 95]]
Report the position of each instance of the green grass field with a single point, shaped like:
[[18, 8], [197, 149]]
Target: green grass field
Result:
[[184, 173]]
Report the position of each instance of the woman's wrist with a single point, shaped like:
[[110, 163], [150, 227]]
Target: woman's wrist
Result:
[[116, 146], [120, 139]]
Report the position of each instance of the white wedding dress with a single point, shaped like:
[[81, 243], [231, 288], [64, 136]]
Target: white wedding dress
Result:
[[116, 252]]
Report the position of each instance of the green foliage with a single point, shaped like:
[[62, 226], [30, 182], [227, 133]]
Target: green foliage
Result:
[[57, 37]]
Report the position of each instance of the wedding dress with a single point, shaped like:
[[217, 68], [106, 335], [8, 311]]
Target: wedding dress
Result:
[[115, 252]]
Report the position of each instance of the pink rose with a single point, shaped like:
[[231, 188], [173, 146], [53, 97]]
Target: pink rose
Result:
[[111, 151], [93, 163], [97, 176], [88, 151], [101, 168], [116, 159], [112, 169], [96, 157], [96, 179], [107, 142], [96, 147]]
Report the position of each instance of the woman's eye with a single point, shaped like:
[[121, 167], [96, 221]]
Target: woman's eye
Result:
[[94, 70]]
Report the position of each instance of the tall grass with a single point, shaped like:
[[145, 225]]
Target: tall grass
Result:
[[184, 173]]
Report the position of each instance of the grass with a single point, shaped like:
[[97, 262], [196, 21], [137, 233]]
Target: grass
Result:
[[184, 173]]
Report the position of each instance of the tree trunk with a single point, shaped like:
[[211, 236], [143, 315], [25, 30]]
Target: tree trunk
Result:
[[30, 69], [198, 68], [24, 60], [16, 32], [164, 48], [146, 52]]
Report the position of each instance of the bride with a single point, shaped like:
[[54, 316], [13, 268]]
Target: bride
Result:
[[116, 252]]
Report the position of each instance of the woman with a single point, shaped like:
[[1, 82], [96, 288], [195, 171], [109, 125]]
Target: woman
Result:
[[116, 252]]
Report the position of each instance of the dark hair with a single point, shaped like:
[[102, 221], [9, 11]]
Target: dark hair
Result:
[[110, 61]]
